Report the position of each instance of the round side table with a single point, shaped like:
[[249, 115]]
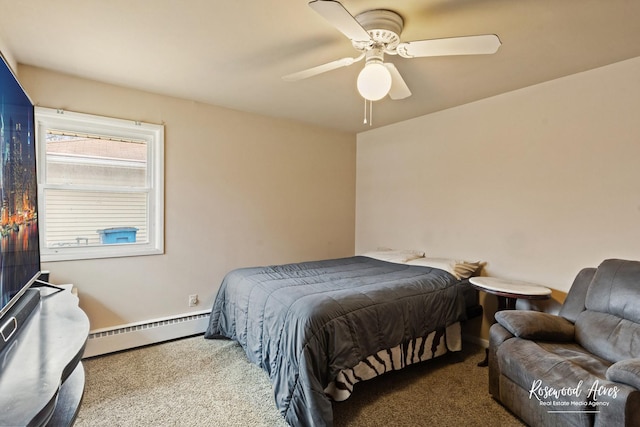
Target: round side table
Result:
[[508, 292]]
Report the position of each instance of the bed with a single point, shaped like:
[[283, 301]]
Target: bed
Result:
[[319, 327]]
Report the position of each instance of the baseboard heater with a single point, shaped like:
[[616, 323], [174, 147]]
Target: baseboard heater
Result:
[[123, 337]]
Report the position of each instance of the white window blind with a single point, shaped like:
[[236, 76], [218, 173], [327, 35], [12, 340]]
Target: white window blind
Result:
[[74, 217]]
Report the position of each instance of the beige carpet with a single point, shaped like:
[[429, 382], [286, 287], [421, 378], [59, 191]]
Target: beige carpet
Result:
[[198, 382]]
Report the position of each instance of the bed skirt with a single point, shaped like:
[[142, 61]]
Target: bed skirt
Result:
[[435, 344]]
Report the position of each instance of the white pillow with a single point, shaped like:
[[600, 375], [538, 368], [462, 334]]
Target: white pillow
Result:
[[459, 268], [397, 256]]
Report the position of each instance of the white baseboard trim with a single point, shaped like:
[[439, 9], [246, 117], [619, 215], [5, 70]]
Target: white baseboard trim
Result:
[[476, 340], [123, 337]]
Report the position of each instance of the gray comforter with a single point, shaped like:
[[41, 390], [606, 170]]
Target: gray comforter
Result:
[[303, 323]]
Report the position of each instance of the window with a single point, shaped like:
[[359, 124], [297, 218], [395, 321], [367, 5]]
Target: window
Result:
[[100, 186]]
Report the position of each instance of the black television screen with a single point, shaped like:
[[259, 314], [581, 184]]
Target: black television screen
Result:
[[20, 249]]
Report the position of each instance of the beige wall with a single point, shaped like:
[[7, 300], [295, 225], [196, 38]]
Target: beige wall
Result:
[[539, 182], [240, 190], [8, 58]]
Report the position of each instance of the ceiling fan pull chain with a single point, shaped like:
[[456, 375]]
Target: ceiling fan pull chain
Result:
[[370, 121], [365, 111]]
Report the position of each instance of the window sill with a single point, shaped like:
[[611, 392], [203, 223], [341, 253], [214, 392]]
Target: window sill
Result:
[[98, 252]]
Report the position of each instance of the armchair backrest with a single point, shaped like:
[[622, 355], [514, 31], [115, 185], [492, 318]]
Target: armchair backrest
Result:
[[574, 303], [610, 324], [615, 289]]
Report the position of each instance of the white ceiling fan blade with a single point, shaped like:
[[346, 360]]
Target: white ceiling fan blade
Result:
[[469, 45], [339, 17], [319, 69], [399, 89]]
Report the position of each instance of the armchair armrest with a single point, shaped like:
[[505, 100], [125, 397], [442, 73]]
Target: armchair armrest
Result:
[[536, 325], [497, 335], [626, 372]]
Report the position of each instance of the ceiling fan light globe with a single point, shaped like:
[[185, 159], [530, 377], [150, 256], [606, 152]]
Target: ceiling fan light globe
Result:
[[374, 81]]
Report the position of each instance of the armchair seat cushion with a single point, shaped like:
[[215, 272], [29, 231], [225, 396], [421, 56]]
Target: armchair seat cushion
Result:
[[561, 377], [558, 365]]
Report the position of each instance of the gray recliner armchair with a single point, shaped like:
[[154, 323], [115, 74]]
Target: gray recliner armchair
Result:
[[580, 367]]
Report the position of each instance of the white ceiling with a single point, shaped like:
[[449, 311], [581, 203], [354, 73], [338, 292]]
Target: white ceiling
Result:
[[233, 53]]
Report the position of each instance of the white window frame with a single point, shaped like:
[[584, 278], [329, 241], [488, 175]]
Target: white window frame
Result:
[[153, 134]]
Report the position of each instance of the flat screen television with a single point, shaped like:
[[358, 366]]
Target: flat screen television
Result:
[[20, 248]]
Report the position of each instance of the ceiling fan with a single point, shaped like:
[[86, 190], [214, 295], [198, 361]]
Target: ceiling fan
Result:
[[376, 32]]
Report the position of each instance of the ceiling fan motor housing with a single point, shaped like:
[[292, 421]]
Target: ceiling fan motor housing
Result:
[[384, 27]]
